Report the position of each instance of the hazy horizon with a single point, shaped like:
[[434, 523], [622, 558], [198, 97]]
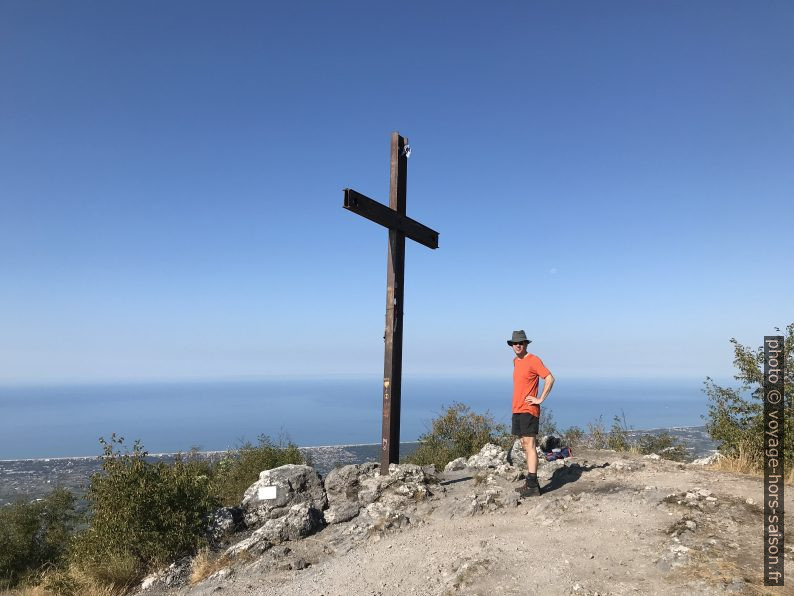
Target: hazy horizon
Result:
[[48, 421]]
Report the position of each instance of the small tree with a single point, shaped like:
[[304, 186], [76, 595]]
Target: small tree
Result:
[[596, 435], [736, 414], [573, 436], [240, 469], [142, 514], [457, 432], [618, 437], [548, 426], [35, 535], [663, 444]]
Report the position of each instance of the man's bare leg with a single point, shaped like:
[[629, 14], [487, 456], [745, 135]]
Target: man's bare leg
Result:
[[528, 443], [532, 488]]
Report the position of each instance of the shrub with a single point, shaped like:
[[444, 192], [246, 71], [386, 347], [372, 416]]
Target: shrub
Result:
[[548, 426], [573, 436], [72, 581], [35, 535], [618, 437], [457, 432], [663, 444], [597, 436], [736, 414], [240, 469], [142, 514]]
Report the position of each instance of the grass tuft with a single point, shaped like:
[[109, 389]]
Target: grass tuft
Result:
[[205, 564]]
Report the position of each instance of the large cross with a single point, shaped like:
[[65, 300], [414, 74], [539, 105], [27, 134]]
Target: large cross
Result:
[[400, 226]]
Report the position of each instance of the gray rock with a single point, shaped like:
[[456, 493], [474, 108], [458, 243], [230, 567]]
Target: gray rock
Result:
[[353, 488], [490, 456], [223, 523], [456, 464], [431, 474], [493, 457], [706, 461], [220, 574], [737, 586], [624, 466], [300, 520], [176, 574], [254, 544], [294, 484], [403, 482], [342, 486], [380, 516], [490, 493], [386, 502], [300, 564], [516, 456]]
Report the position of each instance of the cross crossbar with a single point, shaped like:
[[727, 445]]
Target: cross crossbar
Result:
[[389, 218]]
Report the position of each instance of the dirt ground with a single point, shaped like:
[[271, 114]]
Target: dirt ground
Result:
[[614, 524]]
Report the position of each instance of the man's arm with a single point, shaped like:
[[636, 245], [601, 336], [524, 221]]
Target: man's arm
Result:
[[548, 382]]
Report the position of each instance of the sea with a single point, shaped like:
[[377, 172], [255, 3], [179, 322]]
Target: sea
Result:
[[58, 421]]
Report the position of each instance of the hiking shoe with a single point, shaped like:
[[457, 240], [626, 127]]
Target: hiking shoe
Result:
[[527, 482], [530, 490]]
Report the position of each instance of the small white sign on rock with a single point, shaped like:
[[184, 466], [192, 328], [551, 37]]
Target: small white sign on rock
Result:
[[267, 492]]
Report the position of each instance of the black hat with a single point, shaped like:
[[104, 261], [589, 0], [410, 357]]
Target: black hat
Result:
[[518, 337]]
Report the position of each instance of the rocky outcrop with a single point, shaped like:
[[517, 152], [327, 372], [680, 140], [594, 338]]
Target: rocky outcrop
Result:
[[456, 464], [279, 489], [300, 521], [375, 504], [516, 456], [342, 486], [353, 488], [490, 456], [493, 457], [176, 574], [490, 496], [224, 522], [708, 460]]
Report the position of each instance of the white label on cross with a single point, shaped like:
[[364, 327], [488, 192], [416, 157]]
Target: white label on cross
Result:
[[267, 492]]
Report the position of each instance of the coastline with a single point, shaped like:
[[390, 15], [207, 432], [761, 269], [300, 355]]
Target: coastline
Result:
[[33, 478], [307, 447]]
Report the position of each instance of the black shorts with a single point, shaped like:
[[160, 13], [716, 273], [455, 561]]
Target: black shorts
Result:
[[525, 425]]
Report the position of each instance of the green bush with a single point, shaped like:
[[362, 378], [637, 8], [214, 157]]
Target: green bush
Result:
[[142, 514], [618, 437], [663, 444], [34, 536], [240, 469], [736, 414], [548, 426], [457, 432], [573, 436], [596, 435]]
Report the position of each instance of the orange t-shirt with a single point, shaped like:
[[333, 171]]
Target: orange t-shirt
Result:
[[526, 372]]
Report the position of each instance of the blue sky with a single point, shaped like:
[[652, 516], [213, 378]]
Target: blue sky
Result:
[[615, 178]]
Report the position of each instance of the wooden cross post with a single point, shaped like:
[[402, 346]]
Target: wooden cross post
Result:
[[400, 226]]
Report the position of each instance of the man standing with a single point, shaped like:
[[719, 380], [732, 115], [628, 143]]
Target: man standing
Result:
[[527, 369]]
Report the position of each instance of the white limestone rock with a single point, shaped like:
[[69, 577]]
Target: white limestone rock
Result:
[[277, 490]]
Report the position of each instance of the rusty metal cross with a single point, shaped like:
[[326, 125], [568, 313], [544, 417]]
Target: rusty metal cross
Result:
[[400, 227]]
